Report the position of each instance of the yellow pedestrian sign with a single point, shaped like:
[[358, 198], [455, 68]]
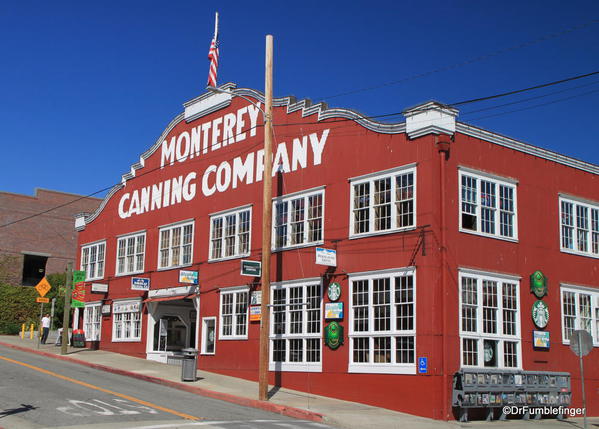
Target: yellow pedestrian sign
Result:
[[43, 287]]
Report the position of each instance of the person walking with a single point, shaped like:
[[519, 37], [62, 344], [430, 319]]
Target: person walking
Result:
[[45, 328]]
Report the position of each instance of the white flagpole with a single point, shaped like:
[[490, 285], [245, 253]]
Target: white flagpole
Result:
[[216, 27]]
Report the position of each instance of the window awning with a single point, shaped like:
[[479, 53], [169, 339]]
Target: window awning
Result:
[[167, 298]]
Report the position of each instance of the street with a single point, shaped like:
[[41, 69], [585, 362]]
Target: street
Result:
[[37, 392]]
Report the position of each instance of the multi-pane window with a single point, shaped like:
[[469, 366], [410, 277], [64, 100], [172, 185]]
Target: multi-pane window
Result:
[[298, 219], [176, 245], [296, 326], [230, 234], [579, 230], [580, 310], [489, 321], [126, 323], [92, 321], [487, 205], [382, 323], [92, 260], [383, 202], [130, 254], [234, 313]]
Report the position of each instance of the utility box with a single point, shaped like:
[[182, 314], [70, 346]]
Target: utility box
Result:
[[189, 365]]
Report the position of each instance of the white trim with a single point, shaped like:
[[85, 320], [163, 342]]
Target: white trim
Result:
[[298, 193], [296, 366], [370, 178], [393, 333], [179, 222], [233, 291], [297, 281], [578, 199], [488, 175], [479, 272], [234, 209], [141, 231], [498, 182], [389, 171], [204, 334]]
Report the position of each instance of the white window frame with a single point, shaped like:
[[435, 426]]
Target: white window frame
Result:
[[381, 367], [288, 199], [130, 338], [93, 328], [304, 336], [234, 291], [136, 255], [480, 335], [498, 182], [180, 226], [593, 293], [205, 334], [370, 179], [86, 253], [223, 217], [591, 232]]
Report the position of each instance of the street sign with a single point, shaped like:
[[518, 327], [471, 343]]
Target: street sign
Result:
[[251, 268], [326, 257], [140, 283], [422, 365], [44, 300], [43, 287], [581, 342]]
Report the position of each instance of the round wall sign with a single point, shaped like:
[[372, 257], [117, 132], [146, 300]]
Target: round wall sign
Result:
[[334, 291], [540, 314]]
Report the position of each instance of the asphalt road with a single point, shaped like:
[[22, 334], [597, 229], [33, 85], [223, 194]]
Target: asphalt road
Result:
[[40, 392]]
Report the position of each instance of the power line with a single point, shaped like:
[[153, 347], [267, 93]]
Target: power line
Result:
[[470, 61]]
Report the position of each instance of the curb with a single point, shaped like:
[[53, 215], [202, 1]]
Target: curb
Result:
[[297, 413]]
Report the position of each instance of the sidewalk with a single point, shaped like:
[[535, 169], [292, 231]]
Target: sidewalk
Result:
[[342, 414]]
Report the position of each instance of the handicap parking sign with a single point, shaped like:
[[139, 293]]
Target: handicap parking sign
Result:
[[422, 365]]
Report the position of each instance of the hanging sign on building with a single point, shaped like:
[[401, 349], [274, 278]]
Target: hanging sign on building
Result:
[[256, 297], [105, 309], [333, 335], [190, 277], [140, 283], [251, 268], [334, 291], [538, 284], [78, 276], [540, 314], [333, 310], [255, 313], [540, 339], [326, 257], [99, 288]]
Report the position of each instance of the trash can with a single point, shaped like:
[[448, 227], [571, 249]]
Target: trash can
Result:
[[189, 365]]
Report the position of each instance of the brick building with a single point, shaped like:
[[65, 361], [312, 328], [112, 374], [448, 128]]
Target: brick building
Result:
[[437, 226], [46, 242]]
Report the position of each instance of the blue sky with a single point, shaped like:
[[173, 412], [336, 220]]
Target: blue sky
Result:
[[89, 86]]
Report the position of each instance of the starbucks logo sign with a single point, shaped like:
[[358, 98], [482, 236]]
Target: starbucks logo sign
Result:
[[540, 314]]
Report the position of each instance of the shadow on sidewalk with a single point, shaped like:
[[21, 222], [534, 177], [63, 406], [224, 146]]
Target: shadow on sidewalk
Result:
[[23, 409]]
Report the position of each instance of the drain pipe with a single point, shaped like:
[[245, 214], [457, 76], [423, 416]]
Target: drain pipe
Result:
[[443, 148]]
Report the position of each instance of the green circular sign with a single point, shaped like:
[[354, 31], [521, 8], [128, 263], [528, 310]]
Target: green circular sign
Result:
[[540, 314], [334, 291]]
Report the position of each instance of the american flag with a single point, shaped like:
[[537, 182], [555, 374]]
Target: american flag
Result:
[[213, 56]]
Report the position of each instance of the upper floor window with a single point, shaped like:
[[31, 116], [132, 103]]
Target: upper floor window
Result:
[[92, 260], [230, 233], [489, 320], [130, 254], [298, 219], [382, 322], [580, 310], [234, 313], [176, 245], [579, 232], [488, 205], [383, 202]]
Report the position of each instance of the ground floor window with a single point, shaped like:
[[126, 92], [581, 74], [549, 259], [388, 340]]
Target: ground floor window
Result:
[[489, 320], [92, 321], [580, 310], [296, 326], [208, 335], [382, 322], [126, 323]]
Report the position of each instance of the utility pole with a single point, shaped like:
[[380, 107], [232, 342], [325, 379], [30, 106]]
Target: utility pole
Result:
[[266, 226], [67, 309]]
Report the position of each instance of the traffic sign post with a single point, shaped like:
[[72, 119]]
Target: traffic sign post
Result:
[[42, 288], [581, 344]]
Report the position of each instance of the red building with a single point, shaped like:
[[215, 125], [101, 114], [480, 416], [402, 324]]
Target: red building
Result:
[[437, 226]]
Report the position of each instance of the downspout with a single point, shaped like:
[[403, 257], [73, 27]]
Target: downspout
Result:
[[443, 148]]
